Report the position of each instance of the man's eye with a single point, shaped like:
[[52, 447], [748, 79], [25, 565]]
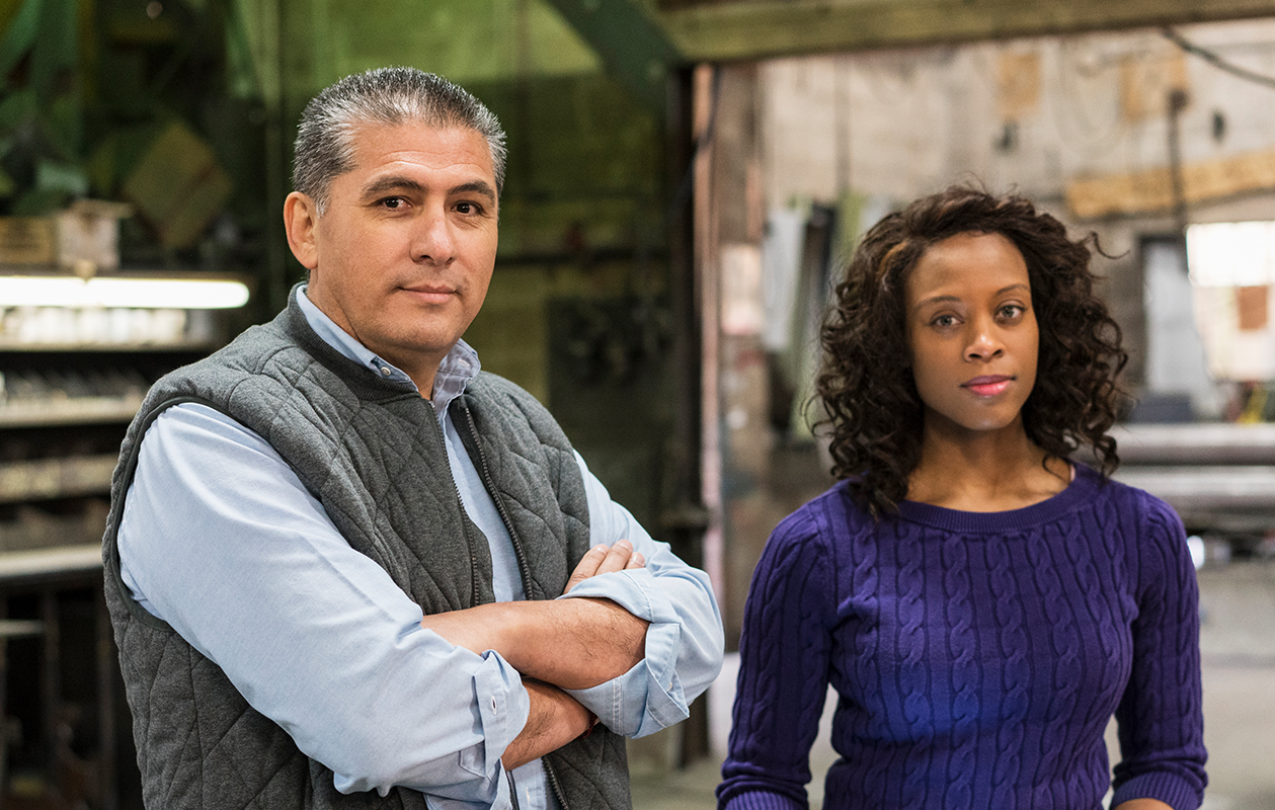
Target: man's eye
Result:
[[392, 203], [467, 208]]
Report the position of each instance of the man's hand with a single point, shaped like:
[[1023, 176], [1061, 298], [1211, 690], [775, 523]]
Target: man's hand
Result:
[[602, 560]]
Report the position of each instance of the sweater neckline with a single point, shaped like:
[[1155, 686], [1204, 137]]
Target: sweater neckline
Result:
[[1081, 489]]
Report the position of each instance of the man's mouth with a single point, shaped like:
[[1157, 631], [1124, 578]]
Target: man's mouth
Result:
[[989, 385], [430, 293]]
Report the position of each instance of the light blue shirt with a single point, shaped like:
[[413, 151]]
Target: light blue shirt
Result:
[[220, 539]]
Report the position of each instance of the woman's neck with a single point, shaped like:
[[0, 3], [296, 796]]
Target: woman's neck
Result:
[[985, 471]]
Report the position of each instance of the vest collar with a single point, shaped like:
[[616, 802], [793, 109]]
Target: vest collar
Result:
[[459, 368]]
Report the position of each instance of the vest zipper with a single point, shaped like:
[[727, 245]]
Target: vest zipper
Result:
[[464, 516], [557, 788], [523, 570], [513, 789], [469, 542]]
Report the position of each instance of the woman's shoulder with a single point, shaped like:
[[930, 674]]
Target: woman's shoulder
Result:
[[1151, 527], [1130, 500], [822, 523], [834, 509], [812, 544]]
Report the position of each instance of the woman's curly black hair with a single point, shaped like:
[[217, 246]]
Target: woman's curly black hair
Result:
[[866, 381]]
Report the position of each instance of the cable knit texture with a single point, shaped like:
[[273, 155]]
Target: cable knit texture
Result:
[[977, 656]]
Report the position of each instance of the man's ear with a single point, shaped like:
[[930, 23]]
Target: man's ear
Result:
[[301, 221]]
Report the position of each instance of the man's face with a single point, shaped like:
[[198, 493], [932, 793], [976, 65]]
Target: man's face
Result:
[[403, 254]]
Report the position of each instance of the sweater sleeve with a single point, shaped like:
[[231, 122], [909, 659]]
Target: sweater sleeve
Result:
[[783, 677], [1160, 718]]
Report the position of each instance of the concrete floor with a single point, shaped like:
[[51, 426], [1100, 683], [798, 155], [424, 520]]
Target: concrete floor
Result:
[[1237, 643]]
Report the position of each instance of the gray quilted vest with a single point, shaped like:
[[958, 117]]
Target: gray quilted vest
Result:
[[199, 743]]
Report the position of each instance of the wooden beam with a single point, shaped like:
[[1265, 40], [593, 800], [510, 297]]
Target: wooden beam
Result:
[[1151, 190], [631, 46], [734, 31]]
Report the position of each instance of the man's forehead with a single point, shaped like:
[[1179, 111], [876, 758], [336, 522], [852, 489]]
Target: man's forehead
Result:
[[380, 136]]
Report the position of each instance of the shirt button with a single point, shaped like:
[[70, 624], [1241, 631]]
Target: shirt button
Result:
[[385, 371]]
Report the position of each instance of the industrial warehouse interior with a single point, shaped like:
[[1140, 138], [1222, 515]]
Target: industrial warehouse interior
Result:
[[686, 181]]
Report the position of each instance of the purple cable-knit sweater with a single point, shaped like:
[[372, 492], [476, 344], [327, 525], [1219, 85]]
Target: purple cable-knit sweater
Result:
[[977, 656]]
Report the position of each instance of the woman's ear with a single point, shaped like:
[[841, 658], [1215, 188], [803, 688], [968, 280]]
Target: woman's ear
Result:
[[301, 221]]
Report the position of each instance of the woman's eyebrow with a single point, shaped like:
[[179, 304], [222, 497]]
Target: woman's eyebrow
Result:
[[939, 299], [935, 299], [1013, 286]]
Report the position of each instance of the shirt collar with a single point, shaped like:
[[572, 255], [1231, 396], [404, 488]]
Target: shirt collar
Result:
[[458, 368]]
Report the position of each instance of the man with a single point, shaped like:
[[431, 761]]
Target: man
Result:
[[335, 549]]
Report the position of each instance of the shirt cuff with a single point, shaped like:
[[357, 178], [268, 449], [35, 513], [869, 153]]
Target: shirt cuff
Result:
[[648, 697], [503, 708], [500, 706], [501, 801], [760, 800], [1169, 788]]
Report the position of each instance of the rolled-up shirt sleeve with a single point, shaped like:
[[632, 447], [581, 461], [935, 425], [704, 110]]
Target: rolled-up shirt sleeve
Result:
[[684, 642], [220, 539]]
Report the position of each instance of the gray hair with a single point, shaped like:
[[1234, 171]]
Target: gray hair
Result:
[[393, 95]]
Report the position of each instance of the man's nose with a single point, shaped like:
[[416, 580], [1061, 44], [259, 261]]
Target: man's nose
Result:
[[432, 238]]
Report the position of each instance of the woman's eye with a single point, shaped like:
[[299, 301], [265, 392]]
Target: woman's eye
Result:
[[944, 321], [1012, 311]]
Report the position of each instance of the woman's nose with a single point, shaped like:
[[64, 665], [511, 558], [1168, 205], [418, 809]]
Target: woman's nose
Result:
[[984, 343]]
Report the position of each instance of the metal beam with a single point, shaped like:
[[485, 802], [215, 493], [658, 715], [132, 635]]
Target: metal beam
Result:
[[631, 46], [735, 30]]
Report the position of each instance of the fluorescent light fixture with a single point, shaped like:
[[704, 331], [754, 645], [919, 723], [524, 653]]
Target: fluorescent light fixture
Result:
[[121, 293], [1231, 254]]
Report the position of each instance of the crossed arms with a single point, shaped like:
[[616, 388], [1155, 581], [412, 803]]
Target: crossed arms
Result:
[[220, 543], [555, 645]]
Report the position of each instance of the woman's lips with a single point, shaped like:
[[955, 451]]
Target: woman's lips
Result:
[[988, 386]]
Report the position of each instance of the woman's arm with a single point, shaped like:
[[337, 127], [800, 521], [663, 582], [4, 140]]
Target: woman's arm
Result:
[[1160, 716], [784, 652]]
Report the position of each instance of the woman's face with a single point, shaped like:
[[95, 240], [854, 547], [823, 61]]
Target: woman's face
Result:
[[972, 333]]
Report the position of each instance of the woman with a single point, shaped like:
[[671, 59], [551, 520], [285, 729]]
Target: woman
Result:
[[981, 604]]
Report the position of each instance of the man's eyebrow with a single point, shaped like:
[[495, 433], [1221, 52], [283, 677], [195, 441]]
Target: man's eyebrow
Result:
[[392, 182], [395, 182], [475, 187]]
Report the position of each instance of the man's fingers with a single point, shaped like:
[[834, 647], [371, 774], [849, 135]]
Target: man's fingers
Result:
[[603, 560], [617, 558], [587, 567]]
